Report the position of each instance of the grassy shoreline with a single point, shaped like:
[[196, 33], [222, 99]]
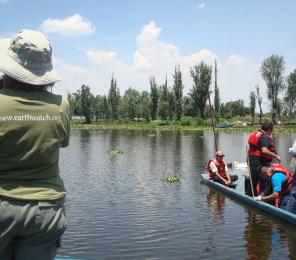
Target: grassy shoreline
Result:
[[170, 126]]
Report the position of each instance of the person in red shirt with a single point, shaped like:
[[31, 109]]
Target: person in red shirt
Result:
[[261, 153], [218, 170]]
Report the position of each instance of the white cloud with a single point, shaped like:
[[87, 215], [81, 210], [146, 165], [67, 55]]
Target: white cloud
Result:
[[73, 76], [236, 60], [3, 1], [149, 34], [101, 57], [72, 26], [141, 60], [151, 58], [237, 75], [202, 5]]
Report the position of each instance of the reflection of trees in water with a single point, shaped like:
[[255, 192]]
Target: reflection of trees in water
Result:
[[258, 236], [216, 202], [178, 152], [265, 239], [291, 233], [196, 147], [85, 148], [114, 139]]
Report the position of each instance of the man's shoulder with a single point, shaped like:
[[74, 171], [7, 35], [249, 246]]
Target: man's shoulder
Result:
[[264, 140], [58, 99], [278, 176], [263, 137], [212, 162]]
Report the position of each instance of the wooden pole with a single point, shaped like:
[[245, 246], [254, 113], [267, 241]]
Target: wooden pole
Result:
[[212, 117], [250, 175]]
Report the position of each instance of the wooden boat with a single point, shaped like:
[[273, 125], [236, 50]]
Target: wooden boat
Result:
[[226, 125], [239, 193]]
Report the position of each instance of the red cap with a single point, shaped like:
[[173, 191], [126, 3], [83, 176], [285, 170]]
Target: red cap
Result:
[[219, 153]]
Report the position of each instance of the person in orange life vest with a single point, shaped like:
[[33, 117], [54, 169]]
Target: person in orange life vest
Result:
[[279, 184], [261, 153], [218, 170]]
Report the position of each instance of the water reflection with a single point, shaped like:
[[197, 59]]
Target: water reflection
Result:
[[216, 202], [291, 234], [119, 208], [258, 235]]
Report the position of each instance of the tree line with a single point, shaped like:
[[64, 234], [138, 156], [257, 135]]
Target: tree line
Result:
[[168, 102]]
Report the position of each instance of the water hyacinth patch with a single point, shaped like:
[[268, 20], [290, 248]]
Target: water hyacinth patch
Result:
[[117, 151], [172, 179]]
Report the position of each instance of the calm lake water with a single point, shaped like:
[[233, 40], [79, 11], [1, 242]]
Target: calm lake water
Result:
[[118, 207]]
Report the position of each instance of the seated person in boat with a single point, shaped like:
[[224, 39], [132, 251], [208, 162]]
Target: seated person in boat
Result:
[[218, 170], [279, 181]]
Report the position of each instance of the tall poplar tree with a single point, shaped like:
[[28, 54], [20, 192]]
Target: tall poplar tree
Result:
[[114, 98], [217, 99], [202, 78], [86, 103], [163, 107], [171, 101], [290, 97], [145, 106], [259, 99], [154, 95], [253, 105], [272, 70], [178, 92], [131, 98]]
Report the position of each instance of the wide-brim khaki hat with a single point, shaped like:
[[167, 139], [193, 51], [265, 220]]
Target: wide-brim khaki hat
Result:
[[28, 58]]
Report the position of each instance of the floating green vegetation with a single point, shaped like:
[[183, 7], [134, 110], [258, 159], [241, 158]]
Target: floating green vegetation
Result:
[[117, 151], [172, 179]]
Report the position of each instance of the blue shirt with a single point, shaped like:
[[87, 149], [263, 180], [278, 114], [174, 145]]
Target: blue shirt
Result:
[[277, 180]]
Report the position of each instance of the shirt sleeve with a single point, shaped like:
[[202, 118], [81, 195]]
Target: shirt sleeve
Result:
[[226, 168], [213, 167], [277, 180], [264, 142], [66, 123]]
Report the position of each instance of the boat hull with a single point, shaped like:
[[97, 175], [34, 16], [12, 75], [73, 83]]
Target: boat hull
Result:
[[238, 193]]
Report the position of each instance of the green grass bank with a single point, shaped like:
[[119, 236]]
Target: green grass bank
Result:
[[188, 125]]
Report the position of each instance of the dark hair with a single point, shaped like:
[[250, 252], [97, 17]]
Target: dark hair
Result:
[[14, 84], [267, 126]]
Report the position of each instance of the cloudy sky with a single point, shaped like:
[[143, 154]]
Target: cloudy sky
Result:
[[136, 39]]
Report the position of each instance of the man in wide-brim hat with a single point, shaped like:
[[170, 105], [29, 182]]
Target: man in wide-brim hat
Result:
[[34, 125]]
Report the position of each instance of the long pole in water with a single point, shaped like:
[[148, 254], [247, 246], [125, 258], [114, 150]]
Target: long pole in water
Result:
[[249, 171], [212, 118]]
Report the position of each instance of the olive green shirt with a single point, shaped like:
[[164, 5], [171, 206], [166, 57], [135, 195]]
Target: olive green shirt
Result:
[[33, 127]]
